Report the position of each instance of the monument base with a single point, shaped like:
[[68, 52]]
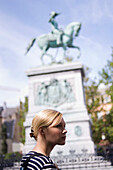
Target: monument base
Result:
[[76, 147], [60, 87]]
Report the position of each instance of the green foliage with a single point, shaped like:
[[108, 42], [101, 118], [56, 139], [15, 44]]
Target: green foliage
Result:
[[4, 138], [108, 126], [23, 112], [107, 77], [91, 93], [93, 100], [26, 105], [13, 155], [92, 96], [97, 127]]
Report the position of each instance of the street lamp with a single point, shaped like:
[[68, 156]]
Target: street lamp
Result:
[[103, 136]]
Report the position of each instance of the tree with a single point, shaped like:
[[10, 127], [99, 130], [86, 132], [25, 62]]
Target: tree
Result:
[[23, 112], [91, 93], [4, 139], [92, 97], [106, 77]]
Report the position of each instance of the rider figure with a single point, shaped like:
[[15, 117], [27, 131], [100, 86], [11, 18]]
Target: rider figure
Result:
[[55, 29]]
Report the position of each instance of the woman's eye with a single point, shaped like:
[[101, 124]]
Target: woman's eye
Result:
[[58, 126]]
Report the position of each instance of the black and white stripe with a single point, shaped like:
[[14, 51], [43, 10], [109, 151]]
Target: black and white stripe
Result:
[[37, 161]]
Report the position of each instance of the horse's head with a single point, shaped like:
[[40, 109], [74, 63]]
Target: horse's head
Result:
[[77, 27], [73, 27]]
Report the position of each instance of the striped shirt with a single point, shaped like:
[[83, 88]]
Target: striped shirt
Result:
[[37, 161]]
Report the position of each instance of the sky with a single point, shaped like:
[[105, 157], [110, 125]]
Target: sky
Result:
[[22, 20]]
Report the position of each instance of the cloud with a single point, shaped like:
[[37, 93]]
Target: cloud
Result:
[[93, 54], [90, 11], [14, 38], [13, 44], [109, 9], [102, 9]]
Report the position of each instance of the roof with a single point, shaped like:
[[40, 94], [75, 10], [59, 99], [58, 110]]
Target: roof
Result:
[[9, 111]]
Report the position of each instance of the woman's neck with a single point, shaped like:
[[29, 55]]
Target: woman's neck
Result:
[[43, 148]]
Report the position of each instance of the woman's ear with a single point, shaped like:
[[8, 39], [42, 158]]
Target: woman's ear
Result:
[[41, 130]]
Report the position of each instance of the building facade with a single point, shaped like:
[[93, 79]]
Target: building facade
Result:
[[10, 118]]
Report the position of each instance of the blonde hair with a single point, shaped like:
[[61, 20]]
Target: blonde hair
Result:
[[44, 119]]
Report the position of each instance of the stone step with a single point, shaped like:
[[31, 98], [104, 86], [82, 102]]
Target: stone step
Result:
[[82, 166], [68, 168]]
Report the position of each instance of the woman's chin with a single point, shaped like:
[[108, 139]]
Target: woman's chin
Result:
[[62, 142]]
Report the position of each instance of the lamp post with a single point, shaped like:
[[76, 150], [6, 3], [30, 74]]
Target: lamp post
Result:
[[104, 147], [103, 136]]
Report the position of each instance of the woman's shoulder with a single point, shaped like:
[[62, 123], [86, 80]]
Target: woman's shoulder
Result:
[[36, 161], [32, 160]]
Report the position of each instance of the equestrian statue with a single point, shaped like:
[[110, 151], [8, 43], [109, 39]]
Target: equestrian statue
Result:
[[57, 38]]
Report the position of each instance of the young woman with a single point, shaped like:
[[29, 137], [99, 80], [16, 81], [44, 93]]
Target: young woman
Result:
[[48, 129]]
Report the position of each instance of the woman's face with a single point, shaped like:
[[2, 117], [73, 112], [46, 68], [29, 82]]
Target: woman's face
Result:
[[55, 134]]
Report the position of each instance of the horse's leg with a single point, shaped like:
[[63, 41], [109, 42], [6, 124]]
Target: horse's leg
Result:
[[45, 48], [64, 54], [52, 59], [44, 53], [72, 46], [64, 48]]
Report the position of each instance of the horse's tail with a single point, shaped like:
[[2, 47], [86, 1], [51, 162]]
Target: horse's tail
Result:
[[78, 30], [30, 45]]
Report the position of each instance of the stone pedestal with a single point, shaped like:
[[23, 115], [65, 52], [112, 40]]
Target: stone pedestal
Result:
[[60, 87]]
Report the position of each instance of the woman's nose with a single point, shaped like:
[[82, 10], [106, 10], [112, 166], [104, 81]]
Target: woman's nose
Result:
[[64, 131]]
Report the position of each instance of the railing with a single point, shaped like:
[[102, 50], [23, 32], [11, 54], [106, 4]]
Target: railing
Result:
[[8, 162], [84, 160], [72, 161], [81, 161]]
